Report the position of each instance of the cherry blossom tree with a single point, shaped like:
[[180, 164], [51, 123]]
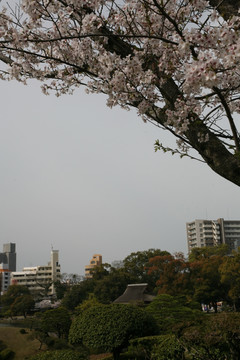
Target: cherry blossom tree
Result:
[[176, 61]]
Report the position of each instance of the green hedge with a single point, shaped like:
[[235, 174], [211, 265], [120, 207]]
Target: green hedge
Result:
[[59, 355], [161, 347], [7, 354]]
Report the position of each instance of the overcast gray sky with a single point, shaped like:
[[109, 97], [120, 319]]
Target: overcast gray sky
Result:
[[85, 179]]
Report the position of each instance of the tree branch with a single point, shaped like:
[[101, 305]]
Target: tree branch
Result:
[[230, 118]]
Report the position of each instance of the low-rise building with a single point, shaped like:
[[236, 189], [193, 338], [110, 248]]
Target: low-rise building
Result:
[[39, 279]]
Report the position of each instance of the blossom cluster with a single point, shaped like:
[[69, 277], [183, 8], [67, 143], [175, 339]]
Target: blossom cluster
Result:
[[129, 50]]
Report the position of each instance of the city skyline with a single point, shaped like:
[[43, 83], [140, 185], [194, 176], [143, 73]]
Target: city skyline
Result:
[[189, 225], [85, 179]]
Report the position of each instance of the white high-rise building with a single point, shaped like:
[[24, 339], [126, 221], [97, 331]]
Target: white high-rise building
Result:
[[39, 279], [201, 233]]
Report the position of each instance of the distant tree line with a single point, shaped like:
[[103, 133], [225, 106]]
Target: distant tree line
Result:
[[210, 275]]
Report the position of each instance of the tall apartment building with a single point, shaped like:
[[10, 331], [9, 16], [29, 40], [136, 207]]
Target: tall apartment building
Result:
[[39, 279], [201, 233], [95, 261], [7, 265]]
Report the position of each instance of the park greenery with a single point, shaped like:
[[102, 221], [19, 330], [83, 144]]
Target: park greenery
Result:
[[175, 62], [17, 301], [108, 328], [209, 276], [172, 326]]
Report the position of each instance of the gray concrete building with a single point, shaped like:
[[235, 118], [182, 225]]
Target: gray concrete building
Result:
[[10, 251], [7, 265], [201, 233]]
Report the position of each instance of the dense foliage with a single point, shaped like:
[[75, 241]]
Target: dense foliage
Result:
[[209, 276], [17, 301], [108, 282], [212, 338], [57, 321], [158, 347], [5, 352], [170, 311], [78, 293], [110, 327], [59, 355]]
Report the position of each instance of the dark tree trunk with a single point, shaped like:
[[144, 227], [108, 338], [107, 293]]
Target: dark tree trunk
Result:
[[226, 8], [116, 354]]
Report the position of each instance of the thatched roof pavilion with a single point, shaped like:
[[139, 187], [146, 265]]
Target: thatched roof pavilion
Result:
[[134, 293]]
